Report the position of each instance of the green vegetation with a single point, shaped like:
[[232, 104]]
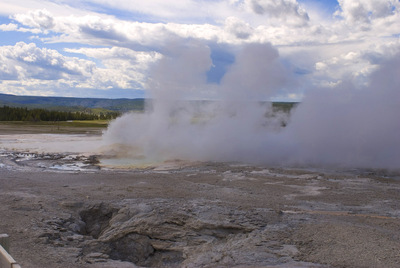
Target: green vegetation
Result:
[[59, 124], [58, 109], [285, 107], [24, 114], [85, 123]]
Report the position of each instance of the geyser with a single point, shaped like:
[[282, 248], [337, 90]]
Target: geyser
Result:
[[343, 126]]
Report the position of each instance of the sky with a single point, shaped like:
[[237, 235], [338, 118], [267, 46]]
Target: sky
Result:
[[115, 49]]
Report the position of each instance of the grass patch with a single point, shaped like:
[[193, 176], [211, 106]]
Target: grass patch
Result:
[[85, 123], [77, 123]]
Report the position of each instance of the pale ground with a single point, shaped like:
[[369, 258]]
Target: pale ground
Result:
[[62, 210]]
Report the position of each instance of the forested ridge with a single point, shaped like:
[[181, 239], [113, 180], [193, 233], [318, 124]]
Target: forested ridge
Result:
[[72, 104], [24, 114]]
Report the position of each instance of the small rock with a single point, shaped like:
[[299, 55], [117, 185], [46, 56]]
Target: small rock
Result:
[[96, 257], [75, 237], [77, 227]]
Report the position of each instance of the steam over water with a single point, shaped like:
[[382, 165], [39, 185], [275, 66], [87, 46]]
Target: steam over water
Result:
[[342, 126]]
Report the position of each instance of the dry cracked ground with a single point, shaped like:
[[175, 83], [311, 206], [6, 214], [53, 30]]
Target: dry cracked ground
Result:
[[196, 215]]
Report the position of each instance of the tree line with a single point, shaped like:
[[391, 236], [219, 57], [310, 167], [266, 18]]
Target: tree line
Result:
[[24, 114]]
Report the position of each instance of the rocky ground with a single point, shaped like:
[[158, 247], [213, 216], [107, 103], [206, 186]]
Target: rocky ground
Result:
[[64, 210]]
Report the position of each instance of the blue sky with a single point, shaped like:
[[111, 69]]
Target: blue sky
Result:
[[111, 49]]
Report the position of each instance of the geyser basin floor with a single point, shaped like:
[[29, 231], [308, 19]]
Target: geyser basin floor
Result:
[[199, 215], [63, 210]]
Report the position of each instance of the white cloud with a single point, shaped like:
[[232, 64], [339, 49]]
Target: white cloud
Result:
[[176, 11], [239, 28], [123, 68], [8, 27], [12, 27], [27, 66], [59, 7], [355, 66], [36, 19], [285, 10], [28, 61], [228, 22], [363, 12], [117, 52], [96, 30]]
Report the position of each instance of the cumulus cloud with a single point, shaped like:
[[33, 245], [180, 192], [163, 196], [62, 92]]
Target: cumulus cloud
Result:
[[229, 23], [100, 30], [239, 28], [8, 27], [132, 56], [28, 67], [39, 19], [97, 30], [285, 10], [12, 27], [123, 68], [354, 65], [28, 61], [363, 12]]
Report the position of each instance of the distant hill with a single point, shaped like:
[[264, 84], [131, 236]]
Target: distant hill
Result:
[[94, 105], [72, 104]]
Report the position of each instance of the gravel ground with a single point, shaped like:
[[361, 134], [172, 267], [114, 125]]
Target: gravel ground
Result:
[[67, 210], [196, 215]]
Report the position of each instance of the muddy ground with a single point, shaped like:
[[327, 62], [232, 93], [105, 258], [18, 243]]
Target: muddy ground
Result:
[[195, 214]]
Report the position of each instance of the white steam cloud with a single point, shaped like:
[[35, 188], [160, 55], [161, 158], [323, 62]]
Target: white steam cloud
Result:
[[345, 126]]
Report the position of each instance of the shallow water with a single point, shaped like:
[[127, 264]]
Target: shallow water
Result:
[[80, 152], [51, 143]]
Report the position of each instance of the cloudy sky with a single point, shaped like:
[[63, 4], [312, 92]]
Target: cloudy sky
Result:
[[99, 48]]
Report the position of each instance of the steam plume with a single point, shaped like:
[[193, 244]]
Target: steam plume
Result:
[[344, 126]]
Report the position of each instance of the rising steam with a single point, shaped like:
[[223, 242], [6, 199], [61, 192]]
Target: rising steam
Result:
[[344, 126]]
